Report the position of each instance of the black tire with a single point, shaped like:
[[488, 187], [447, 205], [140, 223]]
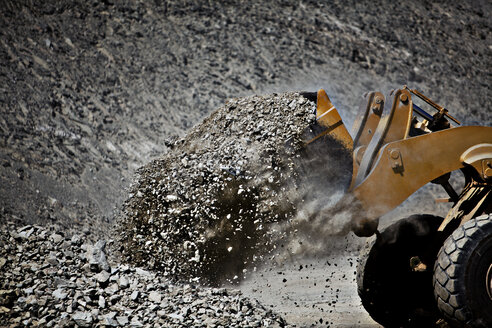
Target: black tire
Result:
[[393, 292], [461, 272]]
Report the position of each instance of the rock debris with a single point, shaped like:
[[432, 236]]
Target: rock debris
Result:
[[209, 207], [201, 210], [76, 291]]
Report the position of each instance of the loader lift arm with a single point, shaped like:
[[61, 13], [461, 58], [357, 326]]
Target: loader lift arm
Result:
[[395, 154], [424, 267], [406, 165]]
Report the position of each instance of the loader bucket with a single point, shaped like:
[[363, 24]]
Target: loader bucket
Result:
[[325, 160], [328, 124]]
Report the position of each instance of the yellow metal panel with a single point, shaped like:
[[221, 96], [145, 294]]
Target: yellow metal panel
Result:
[[370, 112], [400, 117], [373, 118], [480, 157], [404, 166], [328, 116], [477, 153], [394, 125], [364, 128]]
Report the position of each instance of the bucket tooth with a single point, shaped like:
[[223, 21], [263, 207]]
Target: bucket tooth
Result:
[[328, 123], [327, 152]]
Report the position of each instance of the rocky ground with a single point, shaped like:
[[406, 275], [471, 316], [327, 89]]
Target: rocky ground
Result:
[[91, 90], [51, 279]]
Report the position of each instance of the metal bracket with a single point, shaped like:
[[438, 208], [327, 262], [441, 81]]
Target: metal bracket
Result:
[[396, 161]]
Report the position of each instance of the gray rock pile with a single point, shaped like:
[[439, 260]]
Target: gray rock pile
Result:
[[206, 209], [201, 209], [48, 279]]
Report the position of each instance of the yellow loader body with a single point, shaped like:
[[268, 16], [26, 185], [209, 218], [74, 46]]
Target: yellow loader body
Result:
[[395, 154]]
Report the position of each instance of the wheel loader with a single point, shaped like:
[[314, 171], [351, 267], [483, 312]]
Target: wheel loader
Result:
[[422, 268]]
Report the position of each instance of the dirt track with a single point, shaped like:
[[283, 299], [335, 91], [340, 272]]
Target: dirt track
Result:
[[322, 293], [91, 90]]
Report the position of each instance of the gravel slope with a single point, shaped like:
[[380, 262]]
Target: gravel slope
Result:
[[50, 279], [91, 90]]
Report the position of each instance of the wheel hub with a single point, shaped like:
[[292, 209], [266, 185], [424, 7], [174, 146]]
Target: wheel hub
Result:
[[489, 281]]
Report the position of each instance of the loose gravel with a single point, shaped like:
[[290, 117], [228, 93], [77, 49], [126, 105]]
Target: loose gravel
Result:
[[50, 279], [201, 209], [211, 206]]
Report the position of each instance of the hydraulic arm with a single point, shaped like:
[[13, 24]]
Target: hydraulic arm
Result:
[[398, 147]]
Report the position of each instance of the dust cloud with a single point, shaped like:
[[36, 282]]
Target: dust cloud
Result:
[[323, 212]]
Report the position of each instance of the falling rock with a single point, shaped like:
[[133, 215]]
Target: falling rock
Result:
[[273, 324], [58, 282], [108, 322], [101, 302], [135, 323], [56, 238], [110, 315], [21, 299], [111, 289], [31, 300], [134, 295], [222, 168], [28, 291], [76, 240], [52, 259], [142, 272], [26, 232], [171, 198], [210, 322], [176, 316], [123, 282]]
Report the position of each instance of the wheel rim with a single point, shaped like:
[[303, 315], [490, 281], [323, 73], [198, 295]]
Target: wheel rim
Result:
[[489, 281]]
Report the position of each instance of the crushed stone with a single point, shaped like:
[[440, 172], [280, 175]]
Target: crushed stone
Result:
[[211, 206], [35, 292]]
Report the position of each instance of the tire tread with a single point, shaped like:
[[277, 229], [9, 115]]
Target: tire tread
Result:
[[450, 266]]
